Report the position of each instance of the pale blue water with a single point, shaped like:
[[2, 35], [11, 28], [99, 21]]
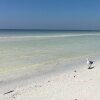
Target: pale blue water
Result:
[[23, 50]]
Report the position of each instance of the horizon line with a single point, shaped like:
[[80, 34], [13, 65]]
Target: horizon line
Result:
[[51, 29]]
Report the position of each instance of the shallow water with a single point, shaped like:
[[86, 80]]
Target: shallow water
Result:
[[23, 50]]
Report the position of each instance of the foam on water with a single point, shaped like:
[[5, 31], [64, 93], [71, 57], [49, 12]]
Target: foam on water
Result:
[[46, 36]]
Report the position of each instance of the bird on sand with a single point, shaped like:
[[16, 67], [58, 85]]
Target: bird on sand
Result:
[[89, 63]]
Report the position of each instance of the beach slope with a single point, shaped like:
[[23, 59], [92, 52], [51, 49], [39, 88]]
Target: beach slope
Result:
[[77, 84]]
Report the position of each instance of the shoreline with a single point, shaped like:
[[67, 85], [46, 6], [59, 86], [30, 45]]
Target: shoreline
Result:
[[23, 78], [80, 83]]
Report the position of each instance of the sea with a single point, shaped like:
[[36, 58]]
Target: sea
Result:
[[43, 51]]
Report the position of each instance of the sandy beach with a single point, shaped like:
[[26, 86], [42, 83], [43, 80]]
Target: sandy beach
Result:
[[77, 84], [50, 50]]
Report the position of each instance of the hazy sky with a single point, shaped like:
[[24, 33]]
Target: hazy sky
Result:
[[50, 14]]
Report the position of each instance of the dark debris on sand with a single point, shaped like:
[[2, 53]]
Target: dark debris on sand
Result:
[[75, 71], [9, 92]]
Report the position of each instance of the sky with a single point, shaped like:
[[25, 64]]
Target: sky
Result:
[[50, 14]]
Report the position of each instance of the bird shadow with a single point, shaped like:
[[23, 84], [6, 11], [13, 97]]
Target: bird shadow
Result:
[[90, 67]]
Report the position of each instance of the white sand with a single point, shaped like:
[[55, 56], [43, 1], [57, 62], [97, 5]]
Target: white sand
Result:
[[84, 86]]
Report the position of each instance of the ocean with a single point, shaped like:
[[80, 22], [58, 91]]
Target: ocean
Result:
[[32, 50]]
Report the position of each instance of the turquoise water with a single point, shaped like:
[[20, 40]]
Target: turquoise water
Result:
[[23, 50]]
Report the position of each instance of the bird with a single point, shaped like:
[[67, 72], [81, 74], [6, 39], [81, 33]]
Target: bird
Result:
[[89, 63]]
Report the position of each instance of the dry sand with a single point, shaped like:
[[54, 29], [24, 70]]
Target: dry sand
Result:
[[78, 84]]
